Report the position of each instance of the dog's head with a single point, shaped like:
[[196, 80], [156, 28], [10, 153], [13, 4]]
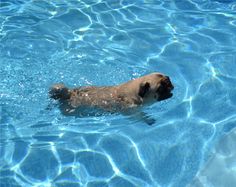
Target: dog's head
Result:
[[155, 86], [59, 92]]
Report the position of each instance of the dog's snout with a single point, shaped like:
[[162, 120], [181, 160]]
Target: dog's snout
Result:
[[168, 83]]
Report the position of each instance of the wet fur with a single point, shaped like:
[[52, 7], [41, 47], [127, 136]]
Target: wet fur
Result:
[[120, 98]]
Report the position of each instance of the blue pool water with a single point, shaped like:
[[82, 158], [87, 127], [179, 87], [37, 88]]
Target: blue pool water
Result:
[[96, 42]]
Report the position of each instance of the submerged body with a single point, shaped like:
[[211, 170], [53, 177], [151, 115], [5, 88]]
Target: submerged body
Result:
[[120, 98]]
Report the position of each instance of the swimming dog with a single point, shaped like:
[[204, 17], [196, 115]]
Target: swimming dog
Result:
[[122, 98]]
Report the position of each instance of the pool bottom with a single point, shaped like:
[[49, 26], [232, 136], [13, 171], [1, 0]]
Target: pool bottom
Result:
[[219, 171]]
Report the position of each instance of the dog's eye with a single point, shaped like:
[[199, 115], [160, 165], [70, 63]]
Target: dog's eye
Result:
[[160, 88]]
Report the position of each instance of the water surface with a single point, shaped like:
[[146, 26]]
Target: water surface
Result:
[[99, 42]]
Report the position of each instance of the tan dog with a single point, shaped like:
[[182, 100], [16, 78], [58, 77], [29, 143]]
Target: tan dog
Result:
[[121, 98]]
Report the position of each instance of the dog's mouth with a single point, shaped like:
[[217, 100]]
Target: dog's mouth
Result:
[[164, 95]]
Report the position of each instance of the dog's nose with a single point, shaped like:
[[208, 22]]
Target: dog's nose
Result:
[[168, 83], [168, 78]]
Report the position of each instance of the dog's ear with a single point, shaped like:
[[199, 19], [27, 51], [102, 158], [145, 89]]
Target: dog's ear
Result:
[[143, 89]]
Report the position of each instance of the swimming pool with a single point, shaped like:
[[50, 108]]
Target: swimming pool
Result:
[[97, 42]]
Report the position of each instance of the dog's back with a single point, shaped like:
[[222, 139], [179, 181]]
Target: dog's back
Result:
[[72, 100]]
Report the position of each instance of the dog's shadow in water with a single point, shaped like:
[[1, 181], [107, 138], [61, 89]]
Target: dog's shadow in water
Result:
[[134, 115]]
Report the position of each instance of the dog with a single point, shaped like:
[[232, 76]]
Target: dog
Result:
[[125, 98]]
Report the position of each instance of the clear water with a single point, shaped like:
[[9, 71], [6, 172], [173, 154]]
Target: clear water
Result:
[[97, 42]]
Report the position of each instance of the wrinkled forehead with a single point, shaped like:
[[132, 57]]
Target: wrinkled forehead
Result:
[[154, 77], [158, 75]]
